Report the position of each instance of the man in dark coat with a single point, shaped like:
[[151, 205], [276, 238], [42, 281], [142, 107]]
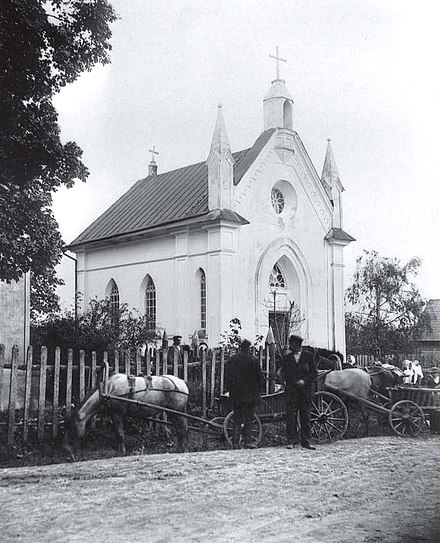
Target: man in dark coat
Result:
[[298, 370], [244, 380], [176, 347]]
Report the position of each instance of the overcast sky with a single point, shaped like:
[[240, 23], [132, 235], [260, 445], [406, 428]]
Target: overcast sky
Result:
[[361, 72]]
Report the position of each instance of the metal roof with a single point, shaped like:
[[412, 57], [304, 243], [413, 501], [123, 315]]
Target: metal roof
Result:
[[174, 196]]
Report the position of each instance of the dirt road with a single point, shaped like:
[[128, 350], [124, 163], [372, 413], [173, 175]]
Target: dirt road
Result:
[[381, 489]]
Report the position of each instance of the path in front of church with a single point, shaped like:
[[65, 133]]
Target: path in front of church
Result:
[[365, 490]]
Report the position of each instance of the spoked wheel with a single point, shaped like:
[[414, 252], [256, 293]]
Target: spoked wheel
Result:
[[257, 430], [329, 417], [214, 435], [406, 418]]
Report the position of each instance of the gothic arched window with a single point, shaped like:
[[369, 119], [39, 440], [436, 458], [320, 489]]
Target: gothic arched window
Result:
[[150, 304], [277, 279], [202, 300], [112, 294]]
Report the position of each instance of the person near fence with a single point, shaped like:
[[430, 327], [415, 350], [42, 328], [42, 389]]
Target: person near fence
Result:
[[244, 381], [175, 347], [298, 370]]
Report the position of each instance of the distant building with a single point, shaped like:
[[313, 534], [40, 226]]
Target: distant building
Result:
[[15, 315], [198, 246], [428, 342]]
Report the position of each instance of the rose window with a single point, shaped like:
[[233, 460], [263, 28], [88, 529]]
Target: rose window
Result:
[[277, 200]]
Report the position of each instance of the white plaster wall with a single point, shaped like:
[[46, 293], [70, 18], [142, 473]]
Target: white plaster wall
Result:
[[300, 236], [234, 258]]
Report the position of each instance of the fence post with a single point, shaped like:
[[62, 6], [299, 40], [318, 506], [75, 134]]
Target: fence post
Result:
[[148, 362], [27, 392], [222, 370], [175, 363], [157, 361], [12, 395], [138, 362], [116, 361], [82, 376], [204, 383], [165, 364], [185, 366], [127, 365], [42, 394], [93, 382], [69, 372], [212, 390], [2, 363], [56, 392]]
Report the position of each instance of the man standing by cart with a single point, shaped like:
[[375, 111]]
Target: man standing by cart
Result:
[[244, 380], [298, 369]]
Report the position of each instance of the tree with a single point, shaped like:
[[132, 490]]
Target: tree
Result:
[[44, 45], [384, 306], [101, 327]]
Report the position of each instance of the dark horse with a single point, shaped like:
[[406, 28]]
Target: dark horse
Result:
[[162, 391], [326, 359]]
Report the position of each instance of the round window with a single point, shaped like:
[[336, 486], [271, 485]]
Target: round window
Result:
[[277, 199]]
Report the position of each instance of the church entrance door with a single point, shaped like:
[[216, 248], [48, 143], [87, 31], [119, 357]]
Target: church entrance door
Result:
[[279, 321]]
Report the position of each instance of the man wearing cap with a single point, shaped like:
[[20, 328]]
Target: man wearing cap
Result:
[[244, 381], [175, 347], [298, 370]]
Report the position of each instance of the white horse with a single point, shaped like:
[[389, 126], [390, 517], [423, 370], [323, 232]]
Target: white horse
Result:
[[162, 391]]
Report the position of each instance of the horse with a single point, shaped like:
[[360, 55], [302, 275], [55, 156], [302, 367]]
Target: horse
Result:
[[325, 359], [383, 378], [165, 391], [355, 381]]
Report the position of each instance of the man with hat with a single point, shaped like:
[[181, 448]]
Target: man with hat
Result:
[[244, 381], [176, 347], [298, 370]]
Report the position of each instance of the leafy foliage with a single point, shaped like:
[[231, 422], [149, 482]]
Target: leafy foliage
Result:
[[231, 339], [102, 327], [44, 46], [384, 306]]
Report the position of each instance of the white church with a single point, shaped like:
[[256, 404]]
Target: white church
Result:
[[242, 235]]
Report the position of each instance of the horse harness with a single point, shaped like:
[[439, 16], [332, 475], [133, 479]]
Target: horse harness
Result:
[[148, 380]]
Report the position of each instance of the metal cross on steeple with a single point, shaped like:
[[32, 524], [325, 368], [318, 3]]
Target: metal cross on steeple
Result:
[[278, 59], [153, 152]]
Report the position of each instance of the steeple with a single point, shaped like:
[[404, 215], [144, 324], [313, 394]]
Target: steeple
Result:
[[278, 104], [332, 184], [220, 167]]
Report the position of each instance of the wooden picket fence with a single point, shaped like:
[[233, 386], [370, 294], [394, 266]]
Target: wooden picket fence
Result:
[[427, 359], [40, 393]]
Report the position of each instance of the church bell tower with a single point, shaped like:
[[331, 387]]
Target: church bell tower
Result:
[[278, 104]]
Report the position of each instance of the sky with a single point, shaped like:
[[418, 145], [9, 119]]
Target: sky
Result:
[[361, 72]]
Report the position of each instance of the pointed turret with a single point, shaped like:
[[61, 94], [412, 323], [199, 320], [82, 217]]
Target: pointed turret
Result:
[[332, 184], [220, 167]]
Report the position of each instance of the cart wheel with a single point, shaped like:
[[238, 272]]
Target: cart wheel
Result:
[[214, 437], [257, 430], [406, 418], [329, 417]]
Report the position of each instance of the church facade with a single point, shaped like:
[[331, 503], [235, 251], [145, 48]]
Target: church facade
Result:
[[250, 235]]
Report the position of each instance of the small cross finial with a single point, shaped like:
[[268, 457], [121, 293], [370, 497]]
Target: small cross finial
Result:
[[278, 59], [153, 152]]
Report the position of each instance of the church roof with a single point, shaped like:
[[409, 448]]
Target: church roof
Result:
[[179, 196]]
